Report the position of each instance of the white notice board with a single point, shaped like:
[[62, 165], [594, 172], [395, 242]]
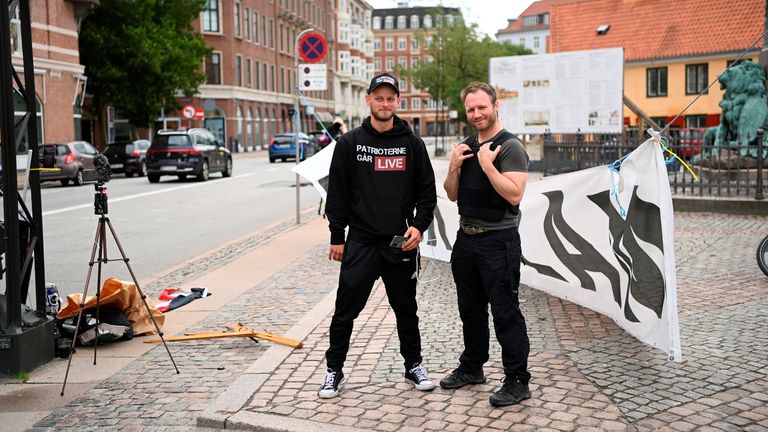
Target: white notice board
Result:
[[563, 92]]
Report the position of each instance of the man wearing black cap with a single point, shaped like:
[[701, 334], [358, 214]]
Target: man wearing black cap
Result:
[[380, 173]]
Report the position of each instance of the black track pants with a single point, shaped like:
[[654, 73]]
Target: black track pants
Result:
[[361, 266]]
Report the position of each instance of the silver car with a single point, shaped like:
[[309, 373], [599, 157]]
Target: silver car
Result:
[[72, 160]]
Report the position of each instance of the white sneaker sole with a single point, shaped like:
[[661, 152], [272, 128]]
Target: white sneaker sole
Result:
[[424, 386], [328, 394]]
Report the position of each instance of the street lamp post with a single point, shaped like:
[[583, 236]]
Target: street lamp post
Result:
[[296, 126]]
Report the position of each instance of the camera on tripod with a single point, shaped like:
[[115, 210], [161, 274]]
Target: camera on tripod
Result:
[[101, 175]]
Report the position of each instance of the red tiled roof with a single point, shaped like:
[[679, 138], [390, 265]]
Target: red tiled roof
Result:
[[649, 29], [536, 8]]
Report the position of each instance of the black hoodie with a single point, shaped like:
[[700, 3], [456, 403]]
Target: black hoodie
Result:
[[375, 182]]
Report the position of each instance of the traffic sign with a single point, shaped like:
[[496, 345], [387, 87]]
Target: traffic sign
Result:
[[312, 47], [199, 113], [188, 112], [313, 76]]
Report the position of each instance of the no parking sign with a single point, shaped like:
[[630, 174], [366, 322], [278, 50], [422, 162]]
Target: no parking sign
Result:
[[312, 47]]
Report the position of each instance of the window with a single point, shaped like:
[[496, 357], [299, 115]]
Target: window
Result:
[[414, 62], [377, 64], [282, 38], [416, 104], [522, 41], [20, 111], [282, 79], [661, 121], [239, 71], [427, 21], [264, 30], [390, 63], [415, 43], [414, 21], [389, 44], [377, 44], [256, 27], [389, 22], [402, 43], [213, 68], [272, 78], [656, 82], [377, 23], [257, 80], [730, 62], [402, 61], [403, 104], [247, 23], [695, 121], [211, 16], [696, 78], [449, 20], [237, 20], [15, 31], [264, 76], [535, 41], [271, 33], [401, 22], [248, 77]]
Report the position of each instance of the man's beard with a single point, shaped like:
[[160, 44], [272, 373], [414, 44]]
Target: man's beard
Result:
[[490, 121], [381, 118]]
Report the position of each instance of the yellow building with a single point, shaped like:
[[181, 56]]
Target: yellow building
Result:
[[672, 50]]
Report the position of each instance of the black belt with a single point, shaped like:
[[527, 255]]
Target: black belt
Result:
[[472, 230]]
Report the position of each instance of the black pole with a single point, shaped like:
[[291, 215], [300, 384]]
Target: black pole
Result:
[[10, 207], [759, 188], [34, 174]]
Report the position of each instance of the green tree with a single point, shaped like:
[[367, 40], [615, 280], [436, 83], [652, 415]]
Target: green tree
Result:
[[459, 56], [139, 54]]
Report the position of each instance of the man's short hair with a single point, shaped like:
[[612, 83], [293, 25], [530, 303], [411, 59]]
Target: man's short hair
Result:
[[479, 86]]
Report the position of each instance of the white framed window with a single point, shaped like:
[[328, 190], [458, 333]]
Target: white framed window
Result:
[[427, 21], [402, 61], [238, 29], [401, 22], [414, 62], [377, 23], [390, 63], [414, 21], [213, 68], [377, 44], [255, 27], [239, 70], [211, 17], [247, 23], [248, 75], [403, 104], [449, 20], [377, 64], [535, 41], [389, 22], [402, 43], [416, 103], [414, 43], [389, 44]]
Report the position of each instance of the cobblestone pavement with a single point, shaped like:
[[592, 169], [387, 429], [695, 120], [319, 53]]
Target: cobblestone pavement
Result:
[[588, 374]]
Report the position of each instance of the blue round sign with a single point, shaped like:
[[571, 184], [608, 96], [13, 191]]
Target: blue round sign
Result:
[[312, 47]]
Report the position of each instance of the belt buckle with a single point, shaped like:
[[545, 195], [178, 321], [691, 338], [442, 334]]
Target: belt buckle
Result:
[[470, 230]]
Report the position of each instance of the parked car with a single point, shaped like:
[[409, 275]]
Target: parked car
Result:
[[128, 157], [282, 146], [182, 153], [690, 141], [321, 139], [73, 159]]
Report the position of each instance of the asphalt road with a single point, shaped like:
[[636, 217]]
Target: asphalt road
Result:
[[162, 225]]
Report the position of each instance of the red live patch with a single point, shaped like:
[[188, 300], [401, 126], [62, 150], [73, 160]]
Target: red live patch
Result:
[[389, 163]]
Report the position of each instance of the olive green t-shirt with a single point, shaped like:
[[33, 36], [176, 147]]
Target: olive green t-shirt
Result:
[[511, 158]]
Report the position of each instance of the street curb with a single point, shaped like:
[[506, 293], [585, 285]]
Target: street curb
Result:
[[225, 412], [735, 206]]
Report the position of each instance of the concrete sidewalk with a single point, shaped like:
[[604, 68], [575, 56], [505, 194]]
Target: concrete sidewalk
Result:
[[588, 374]]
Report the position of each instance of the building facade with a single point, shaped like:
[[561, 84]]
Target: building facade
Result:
[[531, 28], [251, 74], [666, 64], [59, 79], [354, 61], [402, 37]]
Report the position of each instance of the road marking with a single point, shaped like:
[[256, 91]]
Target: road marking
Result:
[[145, 194]]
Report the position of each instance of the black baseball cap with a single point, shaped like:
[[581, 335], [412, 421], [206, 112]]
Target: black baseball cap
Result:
[[384, 79]]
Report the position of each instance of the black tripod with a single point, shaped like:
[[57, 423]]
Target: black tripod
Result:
[[100, 243]]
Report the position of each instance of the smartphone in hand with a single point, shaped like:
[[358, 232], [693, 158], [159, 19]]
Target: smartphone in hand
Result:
[[398, 241]]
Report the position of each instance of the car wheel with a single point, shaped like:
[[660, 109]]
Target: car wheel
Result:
[[64, 182], [129, 174], [142, 169], [153, 178], [227, 169], [78, 180], [271, 159], [204, 172]]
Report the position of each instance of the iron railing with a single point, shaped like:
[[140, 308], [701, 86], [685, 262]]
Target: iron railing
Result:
[[720, 172]]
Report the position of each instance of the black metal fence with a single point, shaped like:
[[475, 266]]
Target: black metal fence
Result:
[[720, 171]]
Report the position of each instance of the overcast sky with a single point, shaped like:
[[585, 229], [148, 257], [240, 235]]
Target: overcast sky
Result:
[[490, 15]]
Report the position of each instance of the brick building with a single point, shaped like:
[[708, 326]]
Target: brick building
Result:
[[354, 61], [397, 44], [59, 79]]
